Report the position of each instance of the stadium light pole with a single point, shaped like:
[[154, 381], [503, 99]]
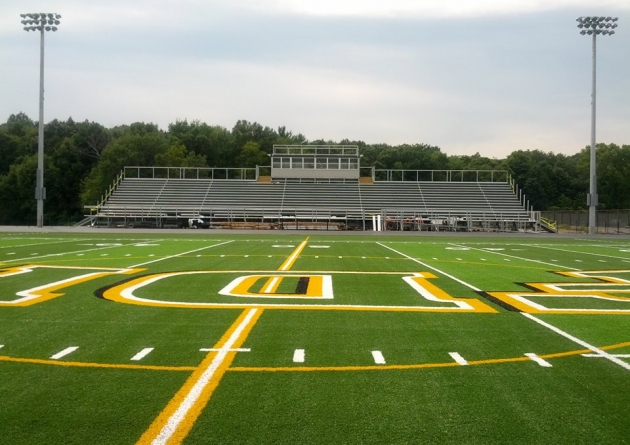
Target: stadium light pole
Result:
[[41, 22], [594, 26]]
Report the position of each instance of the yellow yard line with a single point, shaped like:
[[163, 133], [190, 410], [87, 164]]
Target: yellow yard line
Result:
[[35, 361], [293, 257], [175, 421]]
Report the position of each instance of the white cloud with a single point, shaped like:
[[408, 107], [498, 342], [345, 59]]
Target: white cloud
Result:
[[428, 9], [377, 71]]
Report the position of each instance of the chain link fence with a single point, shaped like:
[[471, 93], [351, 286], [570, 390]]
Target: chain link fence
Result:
[[576, 221]]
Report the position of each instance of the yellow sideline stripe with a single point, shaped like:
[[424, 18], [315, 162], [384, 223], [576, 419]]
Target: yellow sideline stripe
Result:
[[416, 366], [4, 358], [617, 346], [153, 433]]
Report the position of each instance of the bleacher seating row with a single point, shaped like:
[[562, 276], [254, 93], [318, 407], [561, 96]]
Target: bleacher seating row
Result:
[[481, 201]]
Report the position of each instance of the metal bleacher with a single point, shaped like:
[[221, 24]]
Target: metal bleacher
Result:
[[163, 200]]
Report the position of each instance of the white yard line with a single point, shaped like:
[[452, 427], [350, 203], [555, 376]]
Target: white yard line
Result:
[[111, 247], [470, 286], [142, 354], [179, 254], [223, 349], [494, 252], [298, 356], [596, 350], [40, 244], [270, 286], [80, 252], [542, 362], [378, 358], [601, 356], [195, 392], [458, 358], [65, 352], [584, 253]]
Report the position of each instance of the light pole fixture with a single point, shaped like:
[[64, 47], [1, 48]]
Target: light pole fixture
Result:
[[594, 26], [41, 22]]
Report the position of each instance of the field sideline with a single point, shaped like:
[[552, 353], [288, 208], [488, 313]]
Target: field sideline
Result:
[[212, 337]]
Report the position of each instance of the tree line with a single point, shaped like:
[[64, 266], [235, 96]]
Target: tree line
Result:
[[83, 158]]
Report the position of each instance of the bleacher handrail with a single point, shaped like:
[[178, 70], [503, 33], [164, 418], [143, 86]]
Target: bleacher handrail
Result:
[[316, 150], [111, 188], [553, 225], [407, 175], [212, 173]]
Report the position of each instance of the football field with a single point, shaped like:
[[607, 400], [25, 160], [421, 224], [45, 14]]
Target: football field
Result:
[[207, 337]]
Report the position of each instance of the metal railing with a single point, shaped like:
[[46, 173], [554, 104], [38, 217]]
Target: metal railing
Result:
[[111, 188], [614, 222], [213, 173], [403, 175], [316, 150]]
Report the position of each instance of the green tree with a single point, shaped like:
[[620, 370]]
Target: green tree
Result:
[[285, 137], [17, 197], [549, 180], [251, 155], [66, 168], [12, 149], [21, 125], [245, 131], [176, 155], [91, 155], [56, 132], [91, 139], [136, 129], [18, 139], [201, 139], [613, 176], [475, 162], [128, 150]]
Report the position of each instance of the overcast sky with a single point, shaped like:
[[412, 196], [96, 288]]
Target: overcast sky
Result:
[[487, 76]]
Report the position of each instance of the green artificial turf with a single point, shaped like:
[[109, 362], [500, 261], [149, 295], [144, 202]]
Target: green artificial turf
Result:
[[338, 394]]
